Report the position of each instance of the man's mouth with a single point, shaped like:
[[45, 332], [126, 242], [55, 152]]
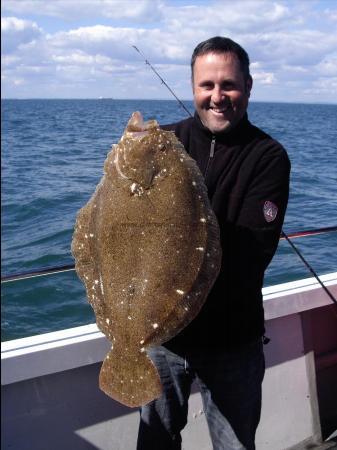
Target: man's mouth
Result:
[[221, 110]]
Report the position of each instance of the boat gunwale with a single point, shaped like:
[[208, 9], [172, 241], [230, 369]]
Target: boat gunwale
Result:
[[57, 351]]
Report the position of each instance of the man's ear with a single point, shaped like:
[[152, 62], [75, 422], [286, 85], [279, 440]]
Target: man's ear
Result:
[[249, 85], [192, 84]]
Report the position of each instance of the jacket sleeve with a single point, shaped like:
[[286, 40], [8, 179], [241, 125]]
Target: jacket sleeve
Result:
[[260, 218]]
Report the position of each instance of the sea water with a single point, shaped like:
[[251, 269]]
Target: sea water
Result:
[[52, 159]]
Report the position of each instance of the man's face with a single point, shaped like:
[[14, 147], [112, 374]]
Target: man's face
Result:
[[220, 92]]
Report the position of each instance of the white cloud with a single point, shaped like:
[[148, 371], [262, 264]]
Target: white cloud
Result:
[[80, 58], [328, 66], [291, 46], [300, 70], [264, 77], [72, 10], [18, 81], [16, 32], [8, 60], [322, 88], [223, 17], [331, 14]]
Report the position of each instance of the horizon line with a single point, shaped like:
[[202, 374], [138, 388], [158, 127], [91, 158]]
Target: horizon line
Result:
[[298, 102]]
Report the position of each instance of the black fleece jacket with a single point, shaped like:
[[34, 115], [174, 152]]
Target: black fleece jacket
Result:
[[247, 176]]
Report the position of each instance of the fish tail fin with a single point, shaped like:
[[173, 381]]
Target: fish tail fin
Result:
[[131, 379]]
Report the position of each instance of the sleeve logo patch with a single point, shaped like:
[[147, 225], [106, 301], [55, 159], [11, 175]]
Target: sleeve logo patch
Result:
[[269, 211]]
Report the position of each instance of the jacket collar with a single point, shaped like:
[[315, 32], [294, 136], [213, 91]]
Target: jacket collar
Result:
[[226, 137]]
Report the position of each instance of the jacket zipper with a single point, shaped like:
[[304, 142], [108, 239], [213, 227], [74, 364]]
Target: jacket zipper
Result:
[[211, 154]]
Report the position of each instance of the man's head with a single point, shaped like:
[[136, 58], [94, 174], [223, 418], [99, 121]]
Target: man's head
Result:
[[221, 83]]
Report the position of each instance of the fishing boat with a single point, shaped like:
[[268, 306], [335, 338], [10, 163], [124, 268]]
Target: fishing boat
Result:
[[51, 399]]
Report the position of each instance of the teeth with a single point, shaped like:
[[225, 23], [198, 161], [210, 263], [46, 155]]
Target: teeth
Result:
[[219, 110]]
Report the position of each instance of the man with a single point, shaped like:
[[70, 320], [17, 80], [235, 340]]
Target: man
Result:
[[247, 176]]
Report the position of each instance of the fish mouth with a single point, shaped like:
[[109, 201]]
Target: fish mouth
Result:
[[137, 134]]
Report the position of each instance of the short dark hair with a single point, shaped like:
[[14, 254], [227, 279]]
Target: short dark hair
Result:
[[220, 44]]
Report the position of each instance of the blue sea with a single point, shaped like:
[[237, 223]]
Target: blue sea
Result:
[[52, 159]]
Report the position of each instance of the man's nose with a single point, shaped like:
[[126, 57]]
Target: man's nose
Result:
[[218, 95]]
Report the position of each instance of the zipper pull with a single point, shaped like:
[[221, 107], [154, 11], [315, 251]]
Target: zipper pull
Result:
[[211, 154]]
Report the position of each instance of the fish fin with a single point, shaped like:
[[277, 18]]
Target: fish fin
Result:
[[131, 379]]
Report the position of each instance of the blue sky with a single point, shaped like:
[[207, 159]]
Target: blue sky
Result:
[[83, 48]]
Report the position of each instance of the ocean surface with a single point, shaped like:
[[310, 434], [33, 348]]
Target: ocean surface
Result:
[[52, 158]]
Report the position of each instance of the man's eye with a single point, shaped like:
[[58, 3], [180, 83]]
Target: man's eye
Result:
[[207, 86], [228, 86]]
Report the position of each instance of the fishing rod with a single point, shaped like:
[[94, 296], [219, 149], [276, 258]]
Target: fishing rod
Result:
[[43, 271], [299, 254], [312, 232], [283, 234], [163, 81], [65, 268]]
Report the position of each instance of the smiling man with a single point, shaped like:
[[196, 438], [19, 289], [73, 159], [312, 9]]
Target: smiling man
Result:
[[247, 175], [221, 91]]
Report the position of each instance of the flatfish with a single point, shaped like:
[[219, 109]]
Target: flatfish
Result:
[[147, 249]]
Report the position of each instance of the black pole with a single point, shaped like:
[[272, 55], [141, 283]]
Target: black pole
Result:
[[308, 266], [162, 80], [66, 268], [312, 232], [282, 234], [51, 270], [37, 273]]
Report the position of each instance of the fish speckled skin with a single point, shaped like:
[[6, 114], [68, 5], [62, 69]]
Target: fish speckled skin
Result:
[[147, 248]]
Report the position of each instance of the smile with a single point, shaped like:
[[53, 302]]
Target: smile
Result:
[[219, 110]]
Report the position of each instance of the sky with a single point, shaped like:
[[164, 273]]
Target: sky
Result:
[[83, 48]]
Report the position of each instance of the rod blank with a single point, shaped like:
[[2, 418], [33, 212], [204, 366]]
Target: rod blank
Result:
[[43, 271]]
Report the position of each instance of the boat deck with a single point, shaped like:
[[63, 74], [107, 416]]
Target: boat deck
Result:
[[50, 396], [328, 445]]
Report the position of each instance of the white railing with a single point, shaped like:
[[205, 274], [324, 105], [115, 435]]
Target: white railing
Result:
[[48, 353]]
